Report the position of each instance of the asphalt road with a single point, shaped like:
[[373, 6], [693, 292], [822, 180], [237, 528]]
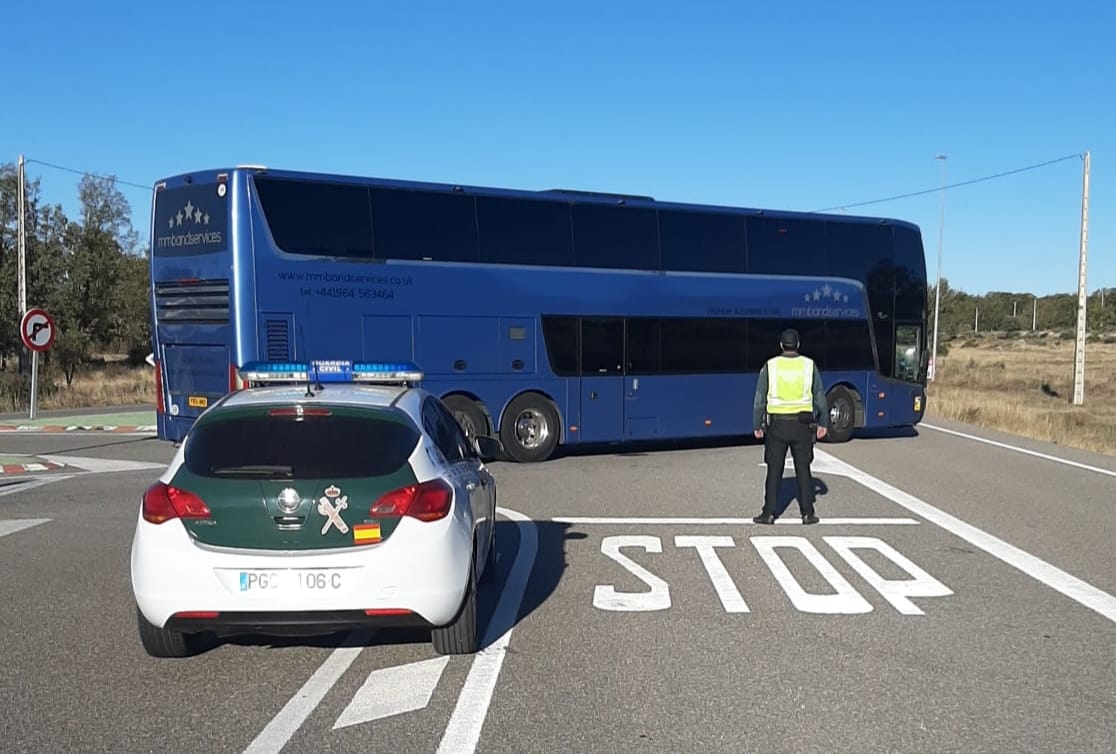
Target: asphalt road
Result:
[[956, 597]]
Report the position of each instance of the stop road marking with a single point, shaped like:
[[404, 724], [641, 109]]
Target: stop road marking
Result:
[[844, 600]]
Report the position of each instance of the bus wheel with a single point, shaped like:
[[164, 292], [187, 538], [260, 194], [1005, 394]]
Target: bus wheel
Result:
[[468, 414], [842, 414], [529, 429]]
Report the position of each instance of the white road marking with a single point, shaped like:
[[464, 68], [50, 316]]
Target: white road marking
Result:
[[1054, 577], [31, 484], [103, 465], [896, 591], [844, 601], [284, 725], [19, 524], [1017, 449], [791, 519], [393, 691], [607, 597], [464, 729], [727, 592]]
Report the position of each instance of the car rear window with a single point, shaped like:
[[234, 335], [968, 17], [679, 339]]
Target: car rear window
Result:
[[258, 445]]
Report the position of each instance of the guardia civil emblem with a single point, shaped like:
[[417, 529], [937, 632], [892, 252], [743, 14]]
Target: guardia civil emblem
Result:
[[330, 505]]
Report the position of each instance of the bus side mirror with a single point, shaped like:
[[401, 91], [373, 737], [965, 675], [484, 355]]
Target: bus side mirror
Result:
[[488, 447]]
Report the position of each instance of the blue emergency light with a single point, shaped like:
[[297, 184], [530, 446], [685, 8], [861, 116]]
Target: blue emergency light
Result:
[[331, 372]]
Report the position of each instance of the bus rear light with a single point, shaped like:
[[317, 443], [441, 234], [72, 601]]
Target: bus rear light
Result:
[[428, 501], [236, 382], [162, 502], [160, 405]]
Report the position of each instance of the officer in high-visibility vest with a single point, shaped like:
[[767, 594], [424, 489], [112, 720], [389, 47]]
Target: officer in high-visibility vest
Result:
[[788, 411]]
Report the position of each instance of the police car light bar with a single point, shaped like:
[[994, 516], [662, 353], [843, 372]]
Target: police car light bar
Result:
[[331, 372]]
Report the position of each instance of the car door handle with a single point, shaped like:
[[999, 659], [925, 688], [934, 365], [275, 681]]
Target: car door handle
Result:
[[470, 486]]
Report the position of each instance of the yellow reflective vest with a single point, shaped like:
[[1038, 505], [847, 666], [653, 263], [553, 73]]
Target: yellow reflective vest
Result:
[[790, 383]]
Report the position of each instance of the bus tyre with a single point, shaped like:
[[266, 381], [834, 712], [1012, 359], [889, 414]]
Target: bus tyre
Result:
[[469, 415], [842, 414], [529, 429]]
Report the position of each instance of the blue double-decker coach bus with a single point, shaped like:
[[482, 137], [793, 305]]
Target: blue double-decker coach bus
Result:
[[542, 317]]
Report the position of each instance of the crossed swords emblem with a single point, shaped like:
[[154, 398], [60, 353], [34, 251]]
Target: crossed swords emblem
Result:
[[333, 512]]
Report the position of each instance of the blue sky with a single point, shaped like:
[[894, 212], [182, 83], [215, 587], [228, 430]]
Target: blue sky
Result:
[[798, 106]]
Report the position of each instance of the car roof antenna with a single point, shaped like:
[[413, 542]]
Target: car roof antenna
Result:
[[302, 349]]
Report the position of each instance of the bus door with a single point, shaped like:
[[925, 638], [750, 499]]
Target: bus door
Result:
[[602, 380]]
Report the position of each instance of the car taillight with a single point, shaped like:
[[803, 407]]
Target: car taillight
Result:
[[428, 501], [160, 407], [162, 502]]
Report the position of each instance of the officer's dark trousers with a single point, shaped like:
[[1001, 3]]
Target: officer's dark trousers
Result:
[[788, 432]]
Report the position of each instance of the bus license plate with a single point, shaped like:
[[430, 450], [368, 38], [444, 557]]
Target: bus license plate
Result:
[[306, 581]]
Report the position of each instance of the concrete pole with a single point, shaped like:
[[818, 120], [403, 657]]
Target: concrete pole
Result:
[[1079, 347]]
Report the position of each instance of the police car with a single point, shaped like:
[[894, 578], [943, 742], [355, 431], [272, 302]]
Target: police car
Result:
[[325, 496]]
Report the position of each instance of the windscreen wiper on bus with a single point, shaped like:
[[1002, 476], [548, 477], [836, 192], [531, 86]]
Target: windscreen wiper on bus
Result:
[[257, 470]]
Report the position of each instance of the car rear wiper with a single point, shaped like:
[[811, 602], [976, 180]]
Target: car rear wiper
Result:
[[260, 470]]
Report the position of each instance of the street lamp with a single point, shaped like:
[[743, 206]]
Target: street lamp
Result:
[[938, 291]]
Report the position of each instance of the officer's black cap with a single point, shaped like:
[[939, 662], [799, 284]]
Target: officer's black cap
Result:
[[789, 338]]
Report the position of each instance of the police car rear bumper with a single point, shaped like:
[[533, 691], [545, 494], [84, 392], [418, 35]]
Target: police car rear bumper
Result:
[[419, 576], [297, 623]]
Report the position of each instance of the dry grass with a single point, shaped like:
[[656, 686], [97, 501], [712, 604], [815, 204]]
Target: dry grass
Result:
[[998, 383], [110, 385]]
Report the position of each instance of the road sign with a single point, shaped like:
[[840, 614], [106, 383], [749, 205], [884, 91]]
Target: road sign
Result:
[[38, 330]]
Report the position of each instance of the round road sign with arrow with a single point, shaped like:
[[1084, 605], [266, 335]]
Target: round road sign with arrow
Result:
[[37, 330]]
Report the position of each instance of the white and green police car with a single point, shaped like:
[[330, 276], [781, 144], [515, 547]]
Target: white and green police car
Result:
[[323, 497]]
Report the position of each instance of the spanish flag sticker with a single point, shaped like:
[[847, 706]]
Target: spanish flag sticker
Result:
[[364, 534]]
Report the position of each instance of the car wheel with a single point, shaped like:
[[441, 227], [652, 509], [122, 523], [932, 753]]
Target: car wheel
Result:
[[161, 642], [529, 430], [468, 414], [460, 636], [842, 414]]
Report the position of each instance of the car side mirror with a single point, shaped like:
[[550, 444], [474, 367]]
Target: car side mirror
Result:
[[488, 447]]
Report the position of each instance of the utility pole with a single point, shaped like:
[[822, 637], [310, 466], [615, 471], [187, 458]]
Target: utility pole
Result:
[[976, 320], [938, 287], [1079, 347], [21, 250], [1013, 305], [1034, 315], [22, 238]]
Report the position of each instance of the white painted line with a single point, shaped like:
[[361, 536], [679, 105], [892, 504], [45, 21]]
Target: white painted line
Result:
[[464, 729], [791, 520], [393, 691], [103, 465], [275, 736], [730, 596], [1057, 579], [11, 527], [1017, 449], [31, 484]]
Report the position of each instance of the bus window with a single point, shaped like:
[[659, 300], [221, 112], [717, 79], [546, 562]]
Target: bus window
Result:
[[618, 237], [602, 346], [907, 356], [424, 225], [645, 347], [778, 246], [703, 242], [560, 336], [522, 231], [323, 219], [848, 346]]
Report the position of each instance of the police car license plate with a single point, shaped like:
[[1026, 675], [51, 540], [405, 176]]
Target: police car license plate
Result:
[[287, 581]]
